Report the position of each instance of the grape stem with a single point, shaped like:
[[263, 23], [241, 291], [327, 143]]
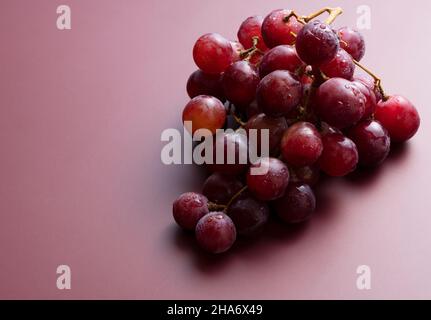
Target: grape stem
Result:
[[216, 207], [333, 14], [238, 120], [377, 80], [234, 198], [248, 53]]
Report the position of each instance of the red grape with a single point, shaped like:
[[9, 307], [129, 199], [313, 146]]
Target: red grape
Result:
[[317, 43], [342, 66], [352, 41], [201, 83], [220, 188], [372, 141], [273, 183], [278, 93], [297, 205], [251, 27], [249, 215], [213, 53], [339, 156], [282, 57], [240, 81], [276, 127], [276, 31], [215, 232], [308, 175], [370, 98], [399, 116], [340, 103], [188, 208], [231, 155], [205, 112], [237, 49], [301, 144]]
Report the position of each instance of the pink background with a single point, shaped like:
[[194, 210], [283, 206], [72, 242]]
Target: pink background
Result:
[[82, 184]]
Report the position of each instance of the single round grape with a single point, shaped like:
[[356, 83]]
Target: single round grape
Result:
[[204, 112], [399, 116], [372, 141], [342, 66], [352, 41], [250, 28], [220, 188], [188, 208], [278, 93], [339, 156], [215, 232], [237, 49], [213, 53], [301, 144], [233, 156], [370, 98], [201, 83], [281, 57], [297, 205], [305, 175], [317, 43], [272, 180], [340, 103], [249, 215], [276, 31], [276, 127], [240, 82]]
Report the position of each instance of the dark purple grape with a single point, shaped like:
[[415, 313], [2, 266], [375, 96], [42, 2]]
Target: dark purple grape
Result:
[[317, 43], [213, 53], [215, 232], [188, 208], [201, 83], [251, 27], [220, 188], [340, 103], [352, 41], [372, 141], [279, 93], [282, 57], [297, 205], [342, 66], [276, 127], [249, 215], [276, 31], [240, 81], [272, 181], [301, 144]]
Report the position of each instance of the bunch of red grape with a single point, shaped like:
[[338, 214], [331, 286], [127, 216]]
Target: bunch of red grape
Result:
[[295, 76]]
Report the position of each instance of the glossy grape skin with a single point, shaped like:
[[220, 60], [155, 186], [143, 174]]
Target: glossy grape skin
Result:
[[317, 43], [370, 83], [305, 175], [273, 183], [251, 27], [249, 215], [189, 208], [281, 57], [220, 188], [215, 232], [230, 141], [237, 49], [342, 66], [339, 103], [372, 141], [278, 93], [370, 98], [240, 81], [213, 53], [297, 204], [276, 31], [201, 83], [339, 156], [205, 112], [399, 116], [301, 144], [353, 42], [276, 127]]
